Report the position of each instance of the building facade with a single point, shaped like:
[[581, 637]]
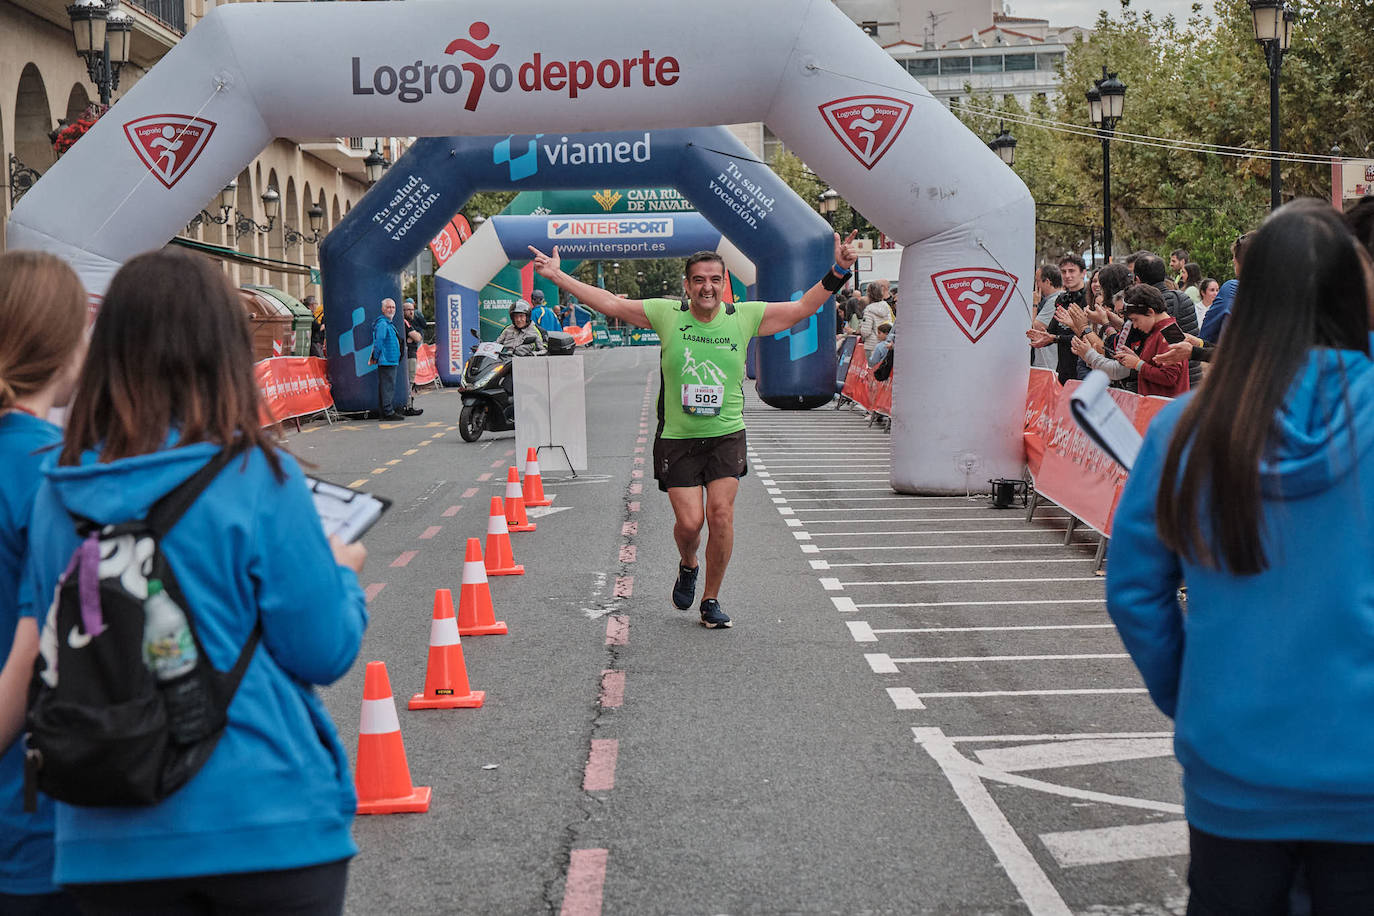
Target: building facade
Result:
[[44, 84]]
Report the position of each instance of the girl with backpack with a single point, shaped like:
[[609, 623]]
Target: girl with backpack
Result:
[[263, 825], [43, 312]]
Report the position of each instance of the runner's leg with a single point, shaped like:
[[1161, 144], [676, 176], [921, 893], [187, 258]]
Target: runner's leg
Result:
[[687, 521], [720, 540]]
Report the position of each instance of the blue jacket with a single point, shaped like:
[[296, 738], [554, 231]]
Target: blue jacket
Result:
[[546, 318], [1214, 322], [25, 839], [1269, 678], [386, 342], [276, 793]]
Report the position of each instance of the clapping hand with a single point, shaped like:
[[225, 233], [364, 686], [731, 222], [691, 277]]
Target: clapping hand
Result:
[[1039, 338], [1080, 347], [1180, 352]]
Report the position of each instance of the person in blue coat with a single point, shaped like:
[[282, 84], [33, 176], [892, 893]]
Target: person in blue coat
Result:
[[543, 314], [1256, 492], [43, 312], [265, 825], [386, 356]]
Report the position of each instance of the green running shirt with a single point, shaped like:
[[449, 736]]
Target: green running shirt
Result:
[[703, 363]]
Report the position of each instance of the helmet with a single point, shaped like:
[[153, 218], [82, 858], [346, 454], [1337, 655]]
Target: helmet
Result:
[[537, 297], [519, 307]]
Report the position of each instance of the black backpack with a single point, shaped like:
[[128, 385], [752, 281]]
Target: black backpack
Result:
[[102, 730]]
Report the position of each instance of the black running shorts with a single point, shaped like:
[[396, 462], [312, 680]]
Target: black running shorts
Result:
[[697, 462]]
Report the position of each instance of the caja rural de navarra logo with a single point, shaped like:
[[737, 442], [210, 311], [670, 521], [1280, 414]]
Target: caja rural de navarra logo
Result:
[[414, 82]]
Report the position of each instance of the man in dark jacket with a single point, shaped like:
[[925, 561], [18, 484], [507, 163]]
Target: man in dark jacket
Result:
[[1149, 269]]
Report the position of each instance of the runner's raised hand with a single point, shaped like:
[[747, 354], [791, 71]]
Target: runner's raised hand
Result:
[[547, 265], [845, 255]]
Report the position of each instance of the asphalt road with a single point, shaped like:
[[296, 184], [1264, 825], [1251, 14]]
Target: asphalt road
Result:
[[921, 707]]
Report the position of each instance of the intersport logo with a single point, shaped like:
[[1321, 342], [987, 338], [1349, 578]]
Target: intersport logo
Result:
[[610, 228], [414, 82], [974, 297]]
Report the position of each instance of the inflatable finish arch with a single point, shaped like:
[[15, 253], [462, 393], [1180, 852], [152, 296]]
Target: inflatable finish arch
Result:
[[458, 283], [241, 78], [709, 167]]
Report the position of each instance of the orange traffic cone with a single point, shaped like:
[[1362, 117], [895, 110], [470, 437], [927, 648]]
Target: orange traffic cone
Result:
[[500, 559], [446, 676], [515, 503], [534, 484], [382, 776], [475, 614]]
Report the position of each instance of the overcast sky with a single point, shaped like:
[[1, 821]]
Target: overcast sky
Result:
[[1084, 12]]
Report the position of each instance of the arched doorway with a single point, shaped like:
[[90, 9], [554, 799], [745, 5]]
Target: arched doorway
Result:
[[33, 122]]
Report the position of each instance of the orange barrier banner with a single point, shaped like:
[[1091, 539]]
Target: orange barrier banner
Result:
[[582, 336], [1068, 468], [292, 386], [862, 388], [428, 369]]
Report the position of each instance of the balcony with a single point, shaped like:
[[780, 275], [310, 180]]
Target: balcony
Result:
[[171, 13], [343, 153]]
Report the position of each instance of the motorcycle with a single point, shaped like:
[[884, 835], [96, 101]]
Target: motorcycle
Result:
[[487, 389]]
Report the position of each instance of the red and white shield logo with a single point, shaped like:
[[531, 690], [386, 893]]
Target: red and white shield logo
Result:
[[867, 125], [974, 297], [168, 144]]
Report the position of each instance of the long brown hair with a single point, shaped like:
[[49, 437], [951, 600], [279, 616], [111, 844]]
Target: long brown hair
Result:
[[170, 350], [43, 312], [1304, 287]]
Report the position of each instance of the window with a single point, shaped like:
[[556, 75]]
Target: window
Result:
[[1020, 61], [990, 63], [927, 67], [954, 65], [1048, 61]]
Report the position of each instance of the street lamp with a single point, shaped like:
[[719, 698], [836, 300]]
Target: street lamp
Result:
[[227, 196], [292, 237], [1004, 145], [375, 164], [1273, 20], [1106, 101], [829, 204], [101, 34], [271, 208]]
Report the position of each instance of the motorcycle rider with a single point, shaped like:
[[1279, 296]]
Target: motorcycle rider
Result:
[[522, 336]]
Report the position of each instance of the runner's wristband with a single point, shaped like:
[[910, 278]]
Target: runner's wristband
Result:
[[833, 283]]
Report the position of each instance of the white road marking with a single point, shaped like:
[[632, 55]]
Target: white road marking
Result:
[[802, 535], [819, 564], [1075, 691], [905, 698], [793, 522], [844, 605], [1097, 579], [881, 663], [1075, 736], [1053, 546], [831, 585], [871, 532], [810, 548], [778, 500], [860, 630], [1052, 755], [833, 565], [774, 491], [986, 603], [1128, 843], [1025, 873], [786, 510], [839, 489], [937, 659], [1062, 626]]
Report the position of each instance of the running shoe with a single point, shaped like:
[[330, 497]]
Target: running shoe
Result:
[[685, 588], [712, 616]]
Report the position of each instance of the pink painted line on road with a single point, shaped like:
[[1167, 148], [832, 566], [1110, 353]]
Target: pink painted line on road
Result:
[[624, 586], [451, 511], [405, 558], [431, 531], [629, 529], [599, 775], [617, 630], [627, 553], [636, 489], [639, 450], [640, 459], [372, 590], [612, 689], [586, 878], [499, 461], [633, 507], [637, 473], [469, 493], [482, 478], [641, 440]]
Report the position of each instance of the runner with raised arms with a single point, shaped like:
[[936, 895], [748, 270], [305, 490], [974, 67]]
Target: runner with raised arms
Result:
[[699, 448]]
